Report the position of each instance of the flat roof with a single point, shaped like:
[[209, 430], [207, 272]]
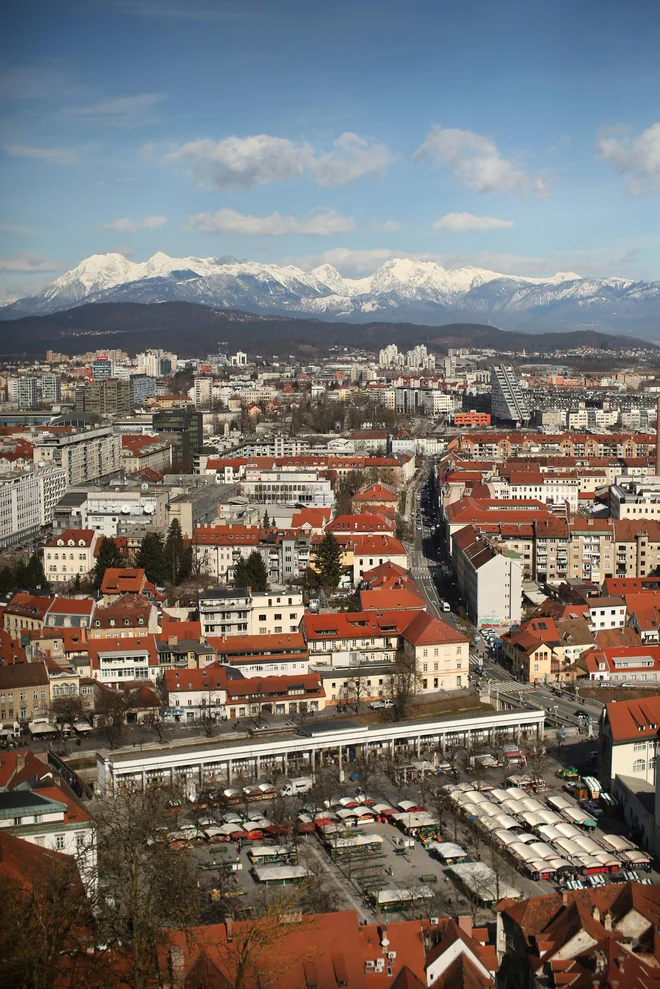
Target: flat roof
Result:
[[228, 743], [322, 727]]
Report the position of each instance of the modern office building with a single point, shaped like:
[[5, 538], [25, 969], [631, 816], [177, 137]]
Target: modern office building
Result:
[[184, 430], [102, 369]]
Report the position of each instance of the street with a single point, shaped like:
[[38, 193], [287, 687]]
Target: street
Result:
[[431, 571]]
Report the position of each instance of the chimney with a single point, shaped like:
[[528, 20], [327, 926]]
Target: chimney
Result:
[[384, 940], [465, 924], [607, 921], [595, 913], [564, 897], [176, 964]]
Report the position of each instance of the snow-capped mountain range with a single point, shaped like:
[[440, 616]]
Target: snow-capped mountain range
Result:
[[400, 290]]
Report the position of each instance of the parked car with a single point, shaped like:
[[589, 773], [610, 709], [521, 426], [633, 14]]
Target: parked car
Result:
[[381, 704]]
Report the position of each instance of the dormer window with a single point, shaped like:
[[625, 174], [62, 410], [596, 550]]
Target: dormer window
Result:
[[127, 621], [97, 624]]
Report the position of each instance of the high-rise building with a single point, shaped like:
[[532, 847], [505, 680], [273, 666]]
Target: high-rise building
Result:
[[22, 391], [51, 388], [184, 430], [84, 456], [104, 398], [102, 368], [203, 393], [508, 404], [143, 386]]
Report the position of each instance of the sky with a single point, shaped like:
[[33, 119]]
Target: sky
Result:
[[514, 136]]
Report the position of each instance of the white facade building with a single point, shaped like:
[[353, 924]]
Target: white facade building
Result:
[[20, 510], [490, 580]]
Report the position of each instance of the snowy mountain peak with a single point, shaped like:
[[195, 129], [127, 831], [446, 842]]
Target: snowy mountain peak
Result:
[[400, 289]]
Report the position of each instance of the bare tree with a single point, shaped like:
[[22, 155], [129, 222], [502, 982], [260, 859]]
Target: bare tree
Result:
[[67, 709], [401, 685], [254, 947], [147, 884], [111, 706]]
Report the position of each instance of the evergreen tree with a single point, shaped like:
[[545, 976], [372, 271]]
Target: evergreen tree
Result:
[[251, 573], [35, 576], [20, 575], [151, 558], [241, 575], [266, 521], [328, 559], [178, 557], [7, 581], [109, 556]]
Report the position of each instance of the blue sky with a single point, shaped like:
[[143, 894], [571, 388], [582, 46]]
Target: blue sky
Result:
[[516, 136]]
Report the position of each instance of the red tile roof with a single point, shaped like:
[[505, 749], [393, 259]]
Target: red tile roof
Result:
[[123, 580], [84, 537], [636, 719], [426, 629]]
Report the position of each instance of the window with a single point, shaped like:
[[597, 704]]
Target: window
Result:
[[639, 766], [639, 747], [425, 667], [59, 842]]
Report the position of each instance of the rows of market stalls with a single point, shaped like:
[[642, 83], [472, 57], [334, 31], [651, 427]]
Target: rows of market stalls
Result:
[[552, 837], [362, 854]]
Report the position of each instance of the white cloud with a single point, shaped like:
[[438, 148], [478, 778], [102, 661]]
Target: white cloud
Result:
[[122, 110], [389, 226], [319, 223], [357, 263], [477, 163], [244, 162], [128, 225], [28, 261], [352, 158], [124, 249], [59, 156], [463, 222], [350, 262], [637, 158]]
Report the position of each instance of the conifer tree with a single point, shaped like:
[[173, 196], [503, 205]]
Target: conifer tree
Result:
[[109, 556]]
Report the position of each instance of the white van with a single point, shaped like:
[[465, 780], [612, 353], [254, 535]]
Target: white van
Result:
[[445, 606], [302, 784]]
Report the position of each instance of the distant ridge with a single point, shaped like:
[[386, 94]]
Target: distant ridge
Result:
[[400, 290], [193, 330]]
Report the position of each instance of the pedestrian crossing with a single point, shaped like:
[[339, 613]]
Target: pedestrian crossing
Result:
[[511, 687]]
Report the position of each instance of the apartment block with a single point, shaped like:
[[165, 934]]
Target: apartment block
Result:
[[489, 577], [84, 456]]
